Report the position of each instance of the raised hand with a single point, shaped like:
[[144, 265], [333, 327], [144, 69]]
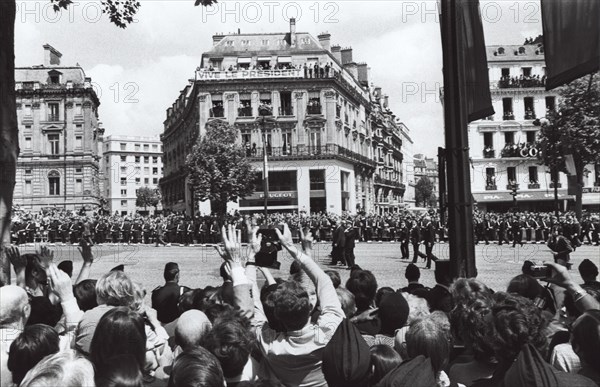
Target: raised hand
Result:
[[15, 258], [307, 240], [255, 239], [286, 237], [232, 247], [46, 257], [60, 283]]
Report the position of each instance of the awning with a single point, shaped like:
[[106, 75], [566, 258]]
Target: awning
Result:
[[264, 58], [245, 96], [284, 59], [494, 197], [244, 60], [314, 94], [216, 97], [592, 198], [264, 95]]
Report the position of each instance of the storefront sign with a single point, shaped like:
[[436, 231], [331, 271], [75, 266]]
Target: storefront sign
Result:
[[279, 195], [590, 190], [248, 74]]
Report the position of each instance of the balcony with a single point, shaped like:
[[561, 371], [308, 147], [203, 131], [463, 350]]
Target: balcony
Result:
[[533, 185], [529, 115], [489, 153], [392, 183], [217, 112], [286, 111], [491, 187], [510, 187], [53, 118], [302, 152], [523, 150], [245, 112], [558, 185], [338, 111], [313, 109], [509, 116], [524, 82]]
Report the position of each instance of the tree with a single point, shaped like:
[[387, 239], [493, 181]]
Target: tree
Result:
[[218, 168], [573, 129], [424, 195], [120, 13], [147, 196]]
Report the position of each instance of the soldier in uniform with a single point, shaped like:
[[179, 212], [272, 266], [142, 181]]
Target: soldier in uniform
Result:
[[115, 231], [75, 231], [147, 231], [100, 234], [415, 238], [403, 234], [126, 230], [64, 230], [137, 231], [159, 232], [53, 230], [517, 230]]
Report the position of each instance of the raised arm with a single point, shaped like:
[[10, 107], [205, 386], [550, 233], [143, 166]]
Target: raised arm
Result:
[[583, 301], [19, 263], [88, 258]]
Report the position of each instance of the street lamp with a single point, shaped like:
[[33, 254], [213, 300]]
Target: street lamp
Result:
[[264, 111]]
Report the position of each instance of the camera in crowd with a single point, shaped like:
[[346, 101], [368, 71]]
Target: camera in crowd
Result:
[[541, 271], [269, 246]]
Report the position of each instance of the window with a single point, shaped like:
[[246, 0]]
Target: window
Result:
[[229, 42], [78, 109], [27, 187], [54, 183], [123, 170], [155, 171], [78, 170], [317, 179], [154, 159], [54, 79], [123, 146], [530, 136], [78, 186], [27, 110], [53, 142], [78, 142], [490, 177], [78, 127], [509, 138], [146, 147], [505, 72], [217, 109], [123, 181], [123, 159], [146, 180], [123, 192], [511, 173], [550, 103], [286, 143], [53, 111], [138, 181], [264, 42], [286, 104], [28, 171], [123, 203], [245, 42], [137, 147], [526, 71], [147, 170], [521, 50], [155, 181], [154, 147], [507, 108], [146, 159], [27, 142], [488, 140], [529, 108], [533, 175], [137, 159]]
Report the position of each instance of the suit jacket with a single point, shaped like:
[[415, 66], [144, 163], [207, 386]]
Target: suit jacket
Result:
[[350, 238], [339, 238]]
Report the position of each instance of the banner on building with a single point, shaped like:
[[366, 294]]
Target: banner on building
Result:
[[248, 74]]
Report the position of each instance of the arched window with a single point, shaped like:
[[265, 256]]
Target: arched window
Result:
[[521, 50], [501, 51], [54, 183]]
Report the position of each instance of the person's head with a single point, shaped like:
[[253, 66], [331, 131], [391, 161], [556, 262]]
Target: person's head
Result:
[[120, 331], [295, 268], [429, 338], [526, 286], [64, 368], [393, 313], [139, 293], [85, 294], [191, 327], [585, 338], [382, 292], [516, 321], [115, 288], [231, 342], [465, 290], [443, 272], [412, 273], [171, 273], [34, 271], [347, 300], [32, 345], [120, 371], [383, 360], [418, 307], [186, 300], [14, 307], [526, 268], [335, 277], [289, 306], [363, 285], [469, 325], [588, 270], [196, 367]]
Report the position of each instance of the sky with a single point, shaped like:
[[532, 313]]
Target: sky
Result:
[[139, 71]]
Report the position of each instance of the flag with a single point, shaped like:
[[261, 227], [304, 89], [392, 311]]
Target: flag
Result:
[[472, 55], [571, 39]]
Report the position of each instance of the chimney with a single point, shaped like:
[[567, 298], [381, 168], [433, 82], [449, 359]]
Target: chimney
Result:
[[51, 56], [377, 92], [217, 38], [325, 41], [352, 69], [337, 53], [347, 55], [363, 74], [385, 100], [293, 32]]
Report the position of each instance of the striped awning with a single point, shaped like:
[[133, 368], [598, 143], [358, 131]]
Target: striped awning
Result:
[[284, 59], [244, 60], [264, 58]]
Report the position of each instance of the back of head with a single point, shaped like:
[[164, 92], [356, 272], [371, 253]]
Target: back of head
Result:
[[526, 286], [191, 327], [290, 306], [120, 331], [429, 338], [465, 290], [383, 360], [85, 293], [382, 292], [588, 270], [65, 368], [363, 285], [14, 305], [231, 343], [120, 371], [32, 345], [393, 312], [418, 307], [347, 300], [469, 325], [171, 271], [412, 272], [334, 275], [443, 272], [586, 338], [196, 367], [115, 288], [516, 321]]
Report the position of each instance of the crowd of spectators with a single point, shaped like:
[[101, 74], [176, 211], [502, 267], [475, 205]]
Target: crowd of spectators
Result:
[[301, 329], [507, 81]]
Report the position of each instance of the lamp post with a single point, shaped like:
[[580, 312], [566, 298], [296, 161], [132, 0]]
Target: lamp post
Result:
[[265, 111]]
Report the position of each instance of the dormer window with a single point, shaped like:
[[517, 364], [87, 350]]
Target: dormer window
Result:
[[54, 77], [230, 42], [521, 50], [264, 42], [501, 51], [245, 42]]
